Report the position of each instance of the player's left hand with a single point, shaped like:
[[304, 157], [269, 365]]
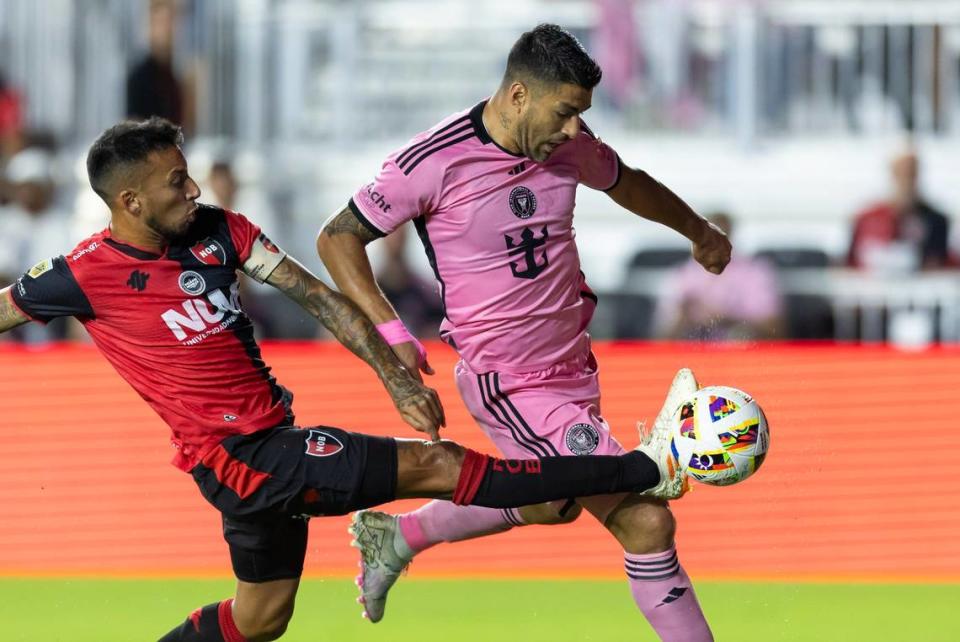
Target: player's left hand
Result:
[[712, 249], [419, 406], [414, 358]]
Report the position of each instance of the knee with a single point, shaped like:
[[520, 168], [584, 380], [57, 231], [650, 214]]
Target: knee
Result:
[[441, 457], [551, 513], [431, 466], [264, 624], [643, 528]]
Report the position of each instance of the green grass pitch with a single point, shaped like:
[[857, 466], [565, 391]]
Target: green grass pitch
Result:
[[82, 610]]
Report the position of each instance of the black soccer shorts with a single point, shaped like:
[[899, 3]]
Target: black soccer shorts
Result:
[[267, 484]]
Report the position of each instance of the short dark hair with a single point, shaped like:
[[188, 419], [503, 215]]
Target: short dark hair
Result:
[[126, 143], [550, 53]]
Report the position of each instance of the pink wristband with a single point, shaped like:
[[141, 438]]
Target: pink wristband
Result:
[[394, 333]]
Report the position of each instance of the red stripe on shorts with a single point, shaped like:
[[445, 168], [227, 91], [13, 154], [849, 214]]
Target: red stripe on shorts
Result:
[[233, 473]]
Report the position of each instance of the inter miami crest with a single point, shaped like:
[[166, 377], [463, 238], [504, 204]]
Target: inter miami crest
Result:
[[322, 444], [582, 439], [523, 202]]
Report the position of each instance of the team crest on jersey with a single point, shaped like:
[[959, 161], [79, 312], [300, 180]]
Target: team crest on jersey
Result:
[[523, 202], [582, 439], [210, 252], [192, 283], [322, 444], [43, 266]]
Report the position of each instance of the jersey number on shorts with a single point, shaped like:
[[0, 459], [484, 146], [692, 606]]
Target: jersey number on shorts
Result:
[[527, 250]]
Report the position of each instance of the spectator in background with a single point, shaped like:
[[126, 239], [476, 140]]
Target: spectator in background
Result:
[[153, 87], [903, 233], [416, 301], [744, 302], [224, 190], [33, 226], [223, 185], [617, 50], [11, 126]]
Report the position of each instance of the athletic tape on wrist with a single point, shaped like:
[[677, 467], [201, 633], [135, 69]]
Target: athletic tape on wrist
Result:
[[394, 333]]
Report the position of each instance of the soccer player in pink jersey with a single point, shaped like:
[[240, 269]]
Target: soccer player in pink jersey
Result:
[[491, 192]]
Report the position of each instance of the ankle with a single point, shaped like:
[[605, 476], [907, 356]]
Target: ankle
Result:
[[410, 538]]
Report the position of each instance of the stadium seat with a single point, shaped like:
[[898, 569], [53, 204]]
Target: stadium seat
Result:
[[808, 316], [634, 312], [659, 258], [796, 257]]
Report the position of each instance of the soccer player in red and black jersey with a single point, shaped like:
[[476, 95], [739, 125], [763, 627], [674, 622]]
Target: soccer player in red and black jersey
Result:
[[157, 292]]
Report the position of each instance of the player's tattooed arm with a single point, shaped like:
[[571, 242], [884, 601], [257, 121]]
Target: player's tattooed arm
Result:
[[10, 314], [342, 247], [418, 405], [346, 222]]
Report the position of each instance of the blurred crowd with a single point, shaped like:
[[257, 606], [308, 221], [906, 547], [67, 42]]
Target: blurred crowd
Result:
[[42, 214], [898, 235]]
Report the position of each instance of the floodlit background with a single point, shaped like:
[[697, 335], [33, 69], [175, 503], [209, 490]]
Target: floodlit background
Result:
[[826, 131]]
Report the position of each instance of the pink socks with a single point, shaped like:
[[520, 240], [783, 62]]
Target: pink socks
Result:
[[664, 594], [440, 521]]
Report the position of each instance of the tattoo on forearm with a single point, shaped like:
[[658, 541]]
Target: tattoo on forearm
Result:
[[346, 222], [10, 315], [346, 321]]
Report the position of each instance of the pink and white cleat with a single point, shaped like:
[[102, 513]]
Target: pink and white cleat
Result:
[[657, 443]]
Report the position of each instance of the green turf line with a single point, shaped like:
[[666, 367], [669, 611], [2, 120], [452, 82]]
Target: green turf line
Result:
[[47, 610]]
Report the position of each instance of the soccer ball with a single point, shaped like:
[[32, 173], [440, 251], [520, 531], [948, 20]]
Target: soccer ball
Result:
[[722, 434]]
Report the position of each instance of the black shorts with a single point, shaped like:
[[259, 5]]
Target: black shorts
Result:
[[268, 483]]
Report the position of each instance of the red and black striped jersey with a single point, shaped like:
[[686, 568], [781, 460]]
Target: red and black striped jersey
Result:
[[172, 324]]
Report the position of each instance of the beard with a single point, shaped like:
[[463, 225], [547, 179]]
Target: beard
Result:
[[171, 233]]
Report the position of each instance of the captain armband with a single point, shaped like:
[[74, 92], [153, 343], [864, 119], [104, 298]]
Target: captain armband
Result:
[[264, 259]]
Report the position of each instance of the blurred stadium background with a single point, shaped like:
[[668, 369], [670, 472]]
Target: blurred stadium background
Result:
[[786, 115]]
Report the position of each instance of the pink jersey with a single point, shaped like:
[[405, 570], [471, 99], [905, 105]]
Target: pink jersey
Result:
[[498, 231]]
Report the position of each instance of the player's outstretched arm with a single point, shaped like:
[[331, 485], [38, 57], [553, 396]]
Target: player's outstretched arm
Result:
[[645, 196], [342, 246], [10, 314], [418, 405]]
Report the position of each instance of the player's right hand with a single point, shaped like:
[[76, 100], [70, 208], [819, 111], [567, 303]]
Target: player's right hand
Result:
[[410, 358], [419, 406]]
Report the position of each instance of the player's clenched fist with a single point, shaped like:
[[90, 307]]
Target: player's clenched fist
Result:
[[419, 406], [712, 249]]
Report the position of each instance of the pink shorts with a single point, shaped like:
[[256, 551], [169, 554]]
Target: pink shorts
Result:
[[540, 414]]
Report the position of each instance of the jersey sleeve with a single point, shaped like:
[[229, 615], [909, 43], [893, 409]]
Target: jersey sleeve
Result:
[[599, 164], [49, 290], [394, 197], [257, 255]]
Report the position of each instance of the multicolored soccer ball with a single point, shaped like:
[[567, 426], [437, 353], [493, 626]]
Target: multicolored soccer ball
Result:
[[722, 434]]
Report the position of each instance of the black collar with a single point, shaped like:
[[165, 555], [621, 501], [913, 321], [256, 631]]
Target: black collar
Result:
[[476, 117], [129, 250]]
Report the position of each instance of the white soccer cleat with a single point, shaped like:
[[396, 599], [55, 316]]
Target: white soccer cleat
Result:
[[380, 565], [657, 443]]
